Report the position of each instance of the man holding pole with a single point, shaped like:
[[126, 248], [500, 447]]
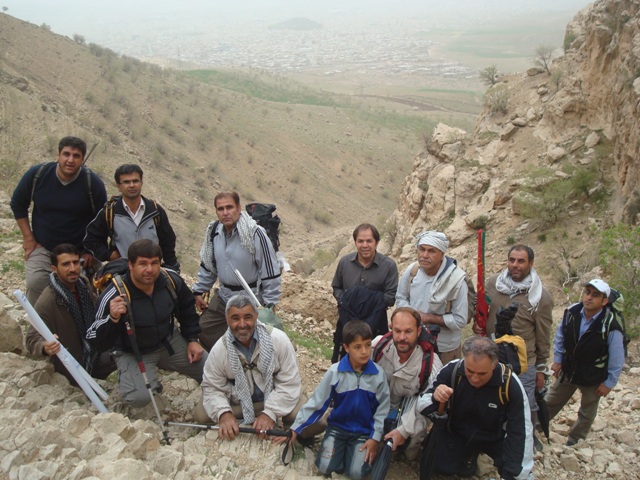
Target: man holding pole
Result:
[[136, 320], [67, 307]]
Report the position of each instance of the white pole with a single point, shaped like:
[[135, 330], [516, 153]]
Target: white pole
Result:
[[75, 369], [247, 288]]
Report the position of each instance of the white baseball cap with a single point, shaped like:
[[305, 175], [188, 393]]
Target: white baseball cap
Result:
[[600, 285]]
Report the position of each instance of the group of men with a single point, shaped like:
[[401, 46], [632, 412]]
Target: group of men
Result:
[[248, 370]]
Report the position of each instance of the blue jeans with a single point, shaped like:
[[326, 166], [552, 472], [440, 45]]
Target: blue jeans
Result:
[[340, 452]]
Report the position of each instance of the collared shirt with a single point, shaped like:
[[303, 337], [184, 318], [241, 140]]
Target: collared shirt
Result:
[[614, 345], [136, 216], [380, 275]]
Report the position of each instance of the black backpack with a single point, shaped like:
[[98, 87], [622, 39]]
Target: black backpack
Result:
[[262, 213]]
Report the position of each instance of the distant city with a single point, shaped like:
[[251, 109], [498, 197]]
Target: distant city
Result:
[[324, 50]]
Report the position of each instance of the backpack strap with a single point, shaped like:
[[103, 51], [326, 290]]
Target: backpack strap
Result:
[[35, 179], [88, 179], [413, 272], [123, 291], [380, 346], [503, 391]]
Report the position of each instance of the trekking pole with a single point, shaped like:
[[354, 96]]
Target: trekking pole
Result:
[[90, 152], [254, 431], [88, 385], [247, 288], [143, 371]]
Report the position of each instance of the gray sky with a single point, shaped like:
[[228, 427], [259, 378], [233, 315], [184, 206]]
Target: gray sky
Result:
[[91, 17]]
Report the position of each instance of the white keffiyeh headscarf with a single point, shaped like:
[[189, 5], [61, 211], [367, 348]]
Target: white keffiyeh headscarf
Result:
[[246, 227], [434, 239], [530, 285], [266, 366]]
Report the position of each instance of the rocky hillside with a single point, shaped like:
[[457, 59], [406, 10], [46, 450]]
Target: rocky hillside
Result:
[[553, 158]]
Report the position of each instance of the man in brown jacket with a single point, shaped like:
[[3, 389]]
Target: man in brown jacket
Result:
[[67, 307], [519, 283]]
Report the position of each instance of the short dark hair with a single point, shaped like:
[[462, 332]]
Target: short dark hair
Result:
[[232, 195], [239, 300], [411, 311], [478, 345], [354, 329], [144, 248], [127, 169], [522, 248], [73, 142], [366, 226], [60, 249]]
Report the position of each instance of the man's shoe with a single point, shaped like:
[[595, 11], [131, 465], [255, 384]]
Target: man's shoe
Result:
[[537, 444], [469, 467], [571, 442]]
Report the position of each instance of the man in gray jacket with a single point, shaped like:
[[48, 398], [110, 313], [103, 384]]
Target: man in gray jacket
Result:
[[232, 242]]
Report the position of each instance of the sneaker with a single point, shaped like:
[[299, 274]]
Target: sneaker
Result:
[[537, 444]]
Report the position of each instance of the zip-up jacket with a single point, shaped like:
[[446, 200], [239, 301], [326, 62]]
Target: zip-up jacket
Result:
[[101, 241], [152, 316], [585, 359], [360, 401], [478, 415]]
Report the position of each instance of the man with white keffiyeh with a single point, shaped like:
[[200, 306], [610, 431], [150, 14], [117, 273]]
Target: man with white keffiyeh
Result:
[[251, 376], [519, 283], [234, 241], [67, 307]]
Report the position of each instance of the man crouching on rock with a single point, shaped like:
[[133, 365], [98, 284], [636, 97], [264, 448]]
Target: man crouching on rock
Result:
[[147, 301], [251, 374]]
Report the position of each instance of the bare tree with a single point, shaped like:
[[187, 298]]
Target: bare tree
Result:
[[543, 57], [489, 75]]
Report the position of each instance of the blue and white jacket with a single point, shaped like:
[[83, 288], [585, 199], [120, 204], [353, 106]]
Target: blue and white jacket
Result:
[[360, 401]]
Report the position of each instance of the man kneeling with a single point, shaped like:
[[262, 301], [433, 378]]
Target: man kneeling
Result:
[[251, 374]]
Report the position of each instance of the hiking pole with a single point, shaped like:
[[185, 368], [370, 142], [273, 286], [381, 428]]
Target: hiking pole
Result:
[[80, 375], [247, 288], [86, 157], [254, 431], [143, 372]]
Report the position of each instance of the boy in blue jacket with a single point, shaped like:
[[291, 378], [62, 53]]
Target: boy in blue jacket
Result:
[[360, 394]]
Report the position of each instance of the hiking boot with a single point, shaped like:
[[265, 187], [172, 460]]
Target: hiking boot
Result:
[[469, 467], [571, 442], [537, 444]]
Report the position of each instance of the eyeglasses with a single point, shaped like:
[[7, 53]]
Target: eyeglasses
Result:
[[130, 182], [592, 293]]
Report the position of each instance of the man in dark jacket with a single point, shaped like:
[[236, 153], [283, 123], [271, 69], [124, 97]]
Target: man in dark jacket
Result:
[[65, 198], [148, 303], [130, 217], [488, 413], [588, 355], [67, 307]]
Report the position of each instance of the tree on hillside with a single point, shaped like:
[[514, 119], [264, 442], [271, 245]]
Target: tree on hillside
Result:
[[489, 75], [4, 9], [78, 39], [543, 57]]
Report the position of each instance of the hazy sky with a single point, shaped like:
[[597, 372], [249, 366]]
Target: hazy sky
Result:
[[91, 17]]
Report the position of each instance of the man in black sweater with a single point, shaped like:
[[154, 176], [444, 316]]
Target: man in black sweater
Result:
[[65, 196]]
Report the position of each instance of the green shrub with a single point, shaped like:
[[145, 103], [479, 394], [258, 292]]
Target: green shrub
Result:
[[618, 255], [497, 99]]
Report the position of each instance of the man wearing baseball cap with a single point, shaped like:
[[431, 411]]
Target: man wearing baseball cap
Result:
[[435, 286], [588, 355]]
